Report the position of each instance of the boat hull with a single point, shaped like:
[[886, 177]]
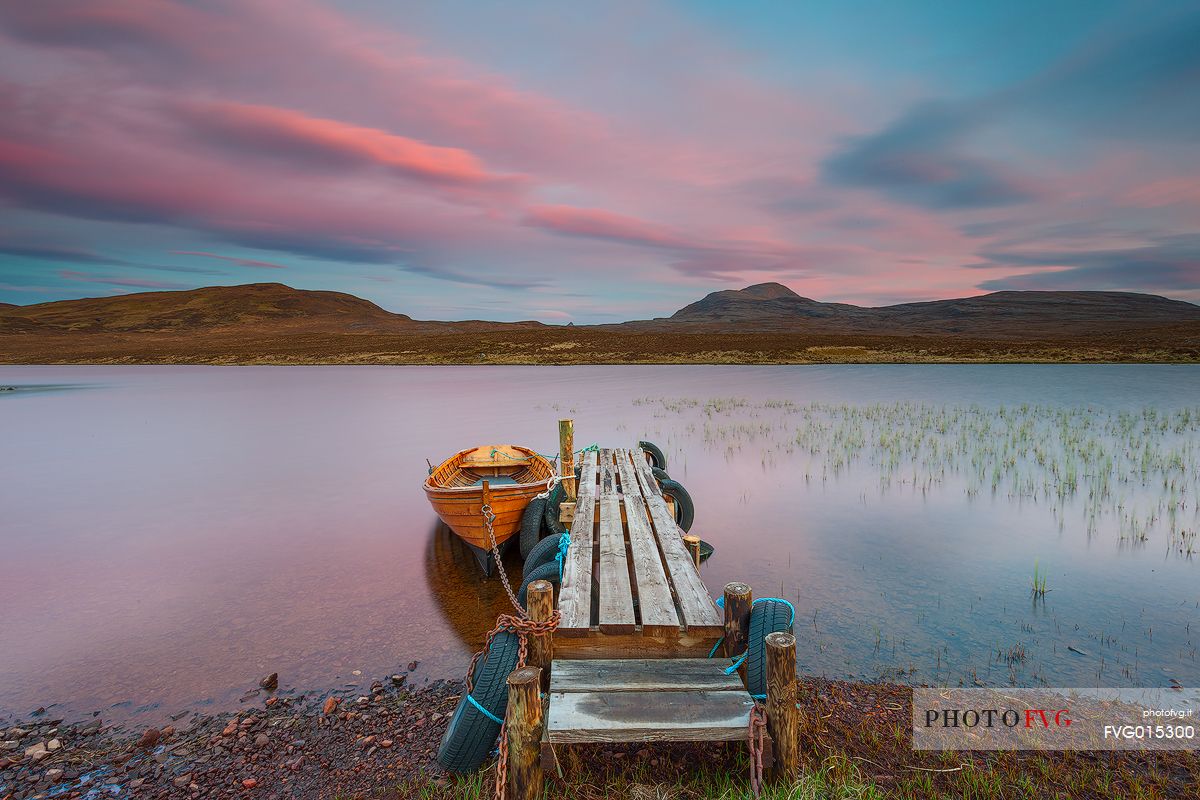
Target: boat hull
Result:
[[515, 475], [463, 512]]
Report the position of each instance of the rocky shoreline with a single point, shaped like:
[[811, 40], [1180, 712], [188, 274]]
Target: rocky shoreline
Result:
[[349, 743], [342, 743]]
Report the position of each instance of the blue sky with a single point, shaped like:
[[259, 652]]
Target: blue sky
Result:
[[591, 162]]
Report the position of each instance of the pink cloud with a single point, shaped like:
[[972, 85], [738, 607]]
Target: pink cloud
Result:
[[599, 224], [296, 127], [1165, 192], [132, 283], [267, 130], [725, 256], [241, 262]]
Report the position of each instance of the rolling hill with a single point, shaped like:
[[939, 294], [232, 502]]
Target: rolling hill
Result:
[[772, 306], [269, 323], [253, 306]]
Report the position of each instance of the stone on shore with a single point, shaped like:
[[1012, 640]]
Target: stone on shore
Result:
[[149, 738]]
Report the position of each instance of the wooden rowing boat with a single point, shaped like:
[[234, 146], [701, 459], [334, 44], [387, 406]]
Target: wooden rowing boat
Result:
[[456, 491]]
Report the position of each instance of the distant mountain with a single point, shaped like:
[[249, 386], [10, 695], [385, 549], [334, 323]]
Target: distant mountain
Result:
[[260, 311], [774, 307], [252, 306], [757, 304]]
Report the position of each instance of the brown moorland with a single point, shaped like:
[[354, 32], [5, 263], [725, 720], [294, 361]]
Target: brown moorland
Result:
[[764, 324]]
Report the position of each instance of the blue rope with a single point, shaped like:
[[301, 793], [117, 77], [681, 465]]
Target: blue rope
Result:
[[713, 652], [564, 542], [484, 711], [737, 662]]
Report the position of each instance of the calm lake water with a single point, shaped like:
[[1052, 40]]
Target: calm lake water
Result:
[[168, 535]]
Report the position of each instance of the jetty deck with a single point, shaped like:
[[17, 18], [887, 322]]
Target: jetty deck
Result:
[[630, 588], [635, 655]]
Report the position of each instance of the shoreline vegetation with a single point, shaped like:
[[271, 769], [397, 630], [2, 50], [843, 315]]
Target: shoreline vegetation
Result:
[[379, 743], [579, 346]]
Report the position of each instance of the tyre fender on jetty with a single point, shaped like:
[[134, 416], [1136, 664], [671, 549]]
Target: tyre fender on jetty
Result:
[[476, 722], [657, 459]]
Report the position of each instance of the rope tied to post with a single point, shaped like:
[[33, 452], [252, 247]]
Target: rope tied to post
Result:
[[757, 734]]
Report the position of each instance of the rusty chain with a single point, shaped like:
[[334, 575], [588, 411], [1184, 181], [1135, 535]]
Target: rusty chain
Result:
[[520, 624], [757, 733], [488, 519], [523, 627]]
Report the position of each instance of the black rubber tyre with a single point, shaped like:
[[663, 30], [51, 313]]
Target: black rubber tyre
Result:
[[471, 736], [766, 616], [546, 572], [543, 551], [657, 459], [685, 512], [550, 518], [531, 524], [660, 474]]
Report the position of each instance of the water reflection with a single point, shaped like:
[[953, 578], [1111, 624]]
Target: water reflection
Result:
[[467, 602], [174, 534]]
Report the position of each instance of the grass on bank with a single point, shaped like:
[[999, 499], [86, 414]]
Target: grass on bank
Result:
[[855, 745]]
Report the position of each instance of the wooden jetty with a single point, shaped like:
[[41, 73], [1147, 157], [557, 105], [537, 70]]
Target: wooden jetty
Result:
[[629, 585], [630, 659]]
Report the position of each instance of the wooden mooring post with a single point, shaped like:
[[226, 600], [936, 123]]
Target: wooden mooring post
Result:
[[566, 461], [738, 600], [783, 718], [693, 546], [541, 648], [524, 724]]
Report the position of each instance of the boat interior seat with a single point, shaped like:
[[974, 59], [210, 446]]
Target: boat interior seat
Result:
[[495, 480]]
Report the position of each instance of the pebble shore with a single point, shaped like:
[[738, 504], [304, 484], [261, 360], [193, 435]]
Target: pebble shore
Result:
[[346, 742]]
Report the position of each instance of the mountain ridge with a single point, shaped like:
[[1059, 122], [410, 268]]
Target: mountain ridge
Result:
[[274, 308], [768, 307]]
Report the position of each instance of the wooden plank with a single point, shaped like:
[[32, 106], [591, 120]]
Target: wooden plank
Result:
[[592, 644], [552, 765], [575, 594], [616, 595], [697, 607], [648, 716], [640, 674], [608, 481], [655, 602]]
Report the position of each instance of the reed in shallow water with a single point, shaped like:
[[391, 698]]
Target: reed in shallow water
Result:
[[1138, 468]]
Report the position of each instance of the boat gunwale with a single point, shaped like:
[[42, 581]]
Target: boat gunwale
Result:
[[432, 488]]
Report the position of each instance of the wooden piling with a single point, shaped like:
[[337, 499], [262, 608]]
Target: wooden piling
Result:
[[738, 600], [541, 648], [524, 725], [693, 546], [566, 456], [783, 718]]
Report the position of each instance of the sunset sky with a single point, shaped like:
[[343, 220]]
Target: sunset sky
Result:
[[592, 162]]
